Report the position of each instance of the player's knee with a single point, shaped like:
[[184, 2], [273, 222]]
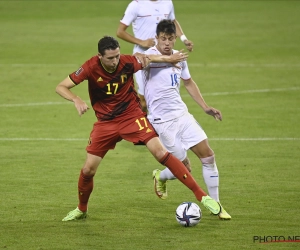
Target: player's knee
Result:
[[159, 154], [156, 148], [208, 159], [91, 164], [89, 171]]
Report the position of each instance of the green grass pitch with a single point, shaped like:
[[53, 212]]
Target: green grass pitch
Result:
[[246, 62]]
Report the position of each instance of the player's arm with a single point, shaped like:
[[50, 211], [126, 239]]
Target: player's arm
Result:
[[63, 89], [146, 59], [174, 58], [179, 32], [195, 93], [124, 35]]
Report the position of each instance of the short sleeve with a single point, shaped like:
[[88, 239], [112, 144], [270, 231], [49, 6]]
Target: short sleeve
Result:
[[79, 75], [185, 73], [130, 13], [172, 13]]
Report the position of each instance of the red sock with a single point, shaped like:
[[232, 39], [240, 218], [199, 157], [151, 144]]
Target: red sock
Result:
[[85, 188], [182, 174]]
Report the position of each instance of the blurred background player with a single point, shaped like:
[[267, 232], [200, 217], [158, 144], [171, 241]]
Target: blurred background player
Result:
[[144, 15], [176, 127], [119, 116]]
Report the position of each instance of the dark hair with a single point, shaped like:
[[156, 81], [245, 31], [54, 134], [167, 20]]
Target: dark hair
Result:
[[166, 26], [107, 43]]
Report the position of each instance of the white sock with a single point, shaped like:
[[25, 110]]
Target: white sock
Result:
[[211, 176], [166, 174]]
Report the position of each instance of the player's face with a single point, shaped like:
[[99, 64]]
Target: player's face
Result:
[[110, 59], [165, 43]]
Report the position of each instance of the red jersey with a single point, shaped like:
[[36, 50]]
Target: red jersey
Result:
[[112, 94]]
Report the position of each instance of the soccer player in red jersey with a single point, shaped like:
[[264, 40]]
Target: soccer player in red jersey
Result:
[[118, 110]]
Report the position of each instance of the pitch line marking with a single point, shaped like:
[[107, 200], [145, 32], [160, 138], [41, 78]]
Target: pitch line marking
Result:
[[246, 65], [184, 95], [211, 139], [211, 65], [252, 91], [35, 104]]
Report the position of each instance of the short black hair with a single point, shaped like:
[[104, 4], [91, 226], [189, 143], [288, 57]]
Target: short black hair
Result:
[[166, 26], [107, 43]]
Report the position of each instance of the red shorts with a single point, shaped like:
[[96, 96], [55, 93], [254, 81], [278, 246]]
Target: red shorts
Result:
[[106, 134]]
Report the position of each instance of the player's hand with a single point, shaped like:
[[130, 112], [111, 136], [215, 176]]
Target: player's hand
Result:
[[189, 45], [214, 112], [147, 43], [178, 57], [80, 105], [142, 58]]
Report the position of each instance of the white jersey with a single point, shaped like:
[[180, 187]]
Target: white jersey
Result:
[[144, 15], [161, 82]]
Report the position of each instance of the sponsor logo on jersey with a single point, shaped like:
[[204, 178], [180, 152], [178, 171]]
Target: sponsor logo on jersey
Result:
[[100, 79], [78, 71]]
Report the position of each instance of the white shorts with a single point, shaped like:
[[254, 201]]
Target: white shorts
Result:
[[180, 134]]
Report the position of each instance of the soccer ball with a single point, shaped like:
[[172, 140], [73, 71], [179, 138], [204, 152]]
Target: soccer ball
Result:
[[188, 214]]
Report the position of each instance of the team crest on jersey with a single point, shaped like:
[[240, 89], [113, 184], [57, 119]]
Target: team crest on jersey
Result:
[[78, 71], [100, 79], [123, 78]]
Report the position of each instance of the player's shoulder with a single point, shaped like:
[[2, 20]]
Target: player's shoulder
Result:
[[127, 59], [134, 3], [169, 2], [164, 1]]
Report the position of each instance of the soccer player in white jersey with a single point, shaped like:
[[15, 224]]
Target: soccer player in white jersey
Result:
[[176, 127], [144, 16]]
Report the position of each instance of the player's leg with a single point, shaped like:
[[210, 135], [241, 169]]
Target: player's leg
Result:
[[160, 178], [167, 132], [193, 137], [85, 187], [166, 174], [102, 138], [86, 180], [210, 172], [170, 134], [181, 173], [209, 167], [139, 129]]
